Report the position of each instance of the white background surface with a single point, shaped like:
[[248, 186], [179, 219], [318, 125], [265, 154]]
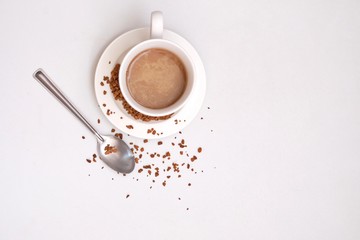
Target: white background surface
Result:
[[282, 162]]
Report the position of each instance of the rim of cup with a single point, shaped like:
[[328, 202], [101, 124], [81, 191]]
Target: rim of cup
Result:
[[168, 46]]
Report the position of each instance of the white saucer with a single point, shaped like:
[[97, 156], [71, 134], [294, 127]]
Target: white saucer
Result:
[[114, 54]]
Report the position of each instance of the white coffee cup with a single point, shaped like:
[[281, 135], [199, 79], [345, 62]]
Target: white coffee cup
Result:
[[157, 42]]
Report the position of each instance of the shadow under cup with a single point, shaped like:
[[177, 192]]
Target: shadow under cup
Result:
[[157, 44]]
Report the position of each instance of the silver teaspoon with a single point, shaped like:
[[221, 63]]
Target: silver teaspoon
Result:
[[112, 150]]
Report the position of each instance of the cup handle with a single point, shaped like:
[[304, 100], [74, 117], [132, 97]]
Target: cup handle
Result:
[[156, 25]]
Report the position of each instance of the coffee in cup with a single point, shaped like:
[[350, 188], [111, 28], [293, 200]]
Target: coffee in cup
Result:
[[156, 76]]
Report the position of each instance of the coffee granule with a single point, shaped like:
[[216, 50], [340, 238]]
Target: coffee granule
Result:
[[98, 121], [119, 135], [127, 196], [176, 167], [82, 137], [130, 126], [88, 160], [160, 142], [199, 150], [193, 158], [164, 183], [110, 149]]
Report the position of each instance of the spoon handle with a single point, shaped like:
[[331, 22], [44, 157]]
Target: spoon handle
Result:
[[45, 81]]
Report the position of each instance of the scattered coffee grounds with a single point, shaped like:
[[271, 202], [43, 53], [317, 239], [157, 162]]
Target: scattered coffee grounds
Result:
[[104, 92], [112, 130], [193, 158], [113, 82], [110, 149], [164, 183], [119, 135], [130, 126], [199, 150], [160, 142]]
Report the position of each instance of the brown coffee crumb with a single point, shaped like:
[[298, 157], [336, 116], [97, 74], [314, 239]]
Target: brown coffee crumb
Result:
[[168, 168], [130, 126], [104, 92], [110, 149], [127, 196], [83, 137], [98, 121], [102, 83], [136, 160], [147, 166], [145, 140], [104, 104], [168, 176], [140, 170], [88, 160], [160, 142], [199, 150], [193, 158], [164, 183], [176, 167], [119, 135], [189, 184], [179, 176], [156, 171]]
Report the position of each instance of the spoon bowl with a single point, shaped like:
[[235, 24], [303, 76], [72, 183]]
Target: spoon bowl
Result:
[[122, 160]]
